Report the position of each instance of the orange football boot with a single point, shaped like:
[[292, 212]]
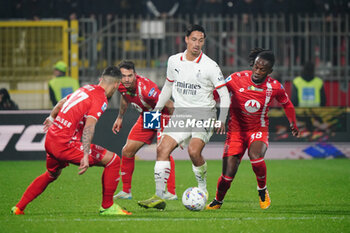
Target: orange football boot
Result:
[[16, 211], [214, 205], [264, 199]]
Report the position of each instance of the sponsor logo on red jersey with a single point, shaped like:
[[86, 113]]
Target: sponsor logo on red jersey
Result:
[[252, 106], [151, 92]]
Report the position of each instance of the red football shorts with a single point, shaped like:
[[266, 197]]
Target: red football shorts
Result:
[[138, 133], [237, 142], [59, 155]]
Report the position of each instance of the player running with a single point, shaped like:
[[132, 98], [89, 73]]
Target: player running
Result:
[[143, 94], [191, 78], [70, 129], [252, 93]]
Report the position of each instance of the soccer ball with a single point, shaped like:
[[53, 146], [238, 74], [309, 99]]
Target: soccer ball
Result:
[[194, 199]]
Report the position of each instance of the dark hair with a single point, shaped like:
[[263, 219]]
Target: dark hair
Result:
[[5, 93], [308, 72], [129, 65], [6, 103], [112, 71], [194, 27], [262, 53]]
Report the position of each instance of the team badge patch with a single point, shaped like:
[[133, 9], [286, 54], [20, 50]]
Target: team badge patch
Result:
[[104, 106], [151, 92]]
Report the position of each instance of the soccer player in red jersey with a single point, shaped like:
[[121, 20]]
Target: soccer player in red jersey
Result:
[[252, 93], [143, 94], [70, 129]]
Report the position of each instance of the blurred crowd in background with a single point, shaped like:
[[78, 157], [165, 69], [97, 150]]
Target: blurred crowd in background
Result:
[[73, 9]]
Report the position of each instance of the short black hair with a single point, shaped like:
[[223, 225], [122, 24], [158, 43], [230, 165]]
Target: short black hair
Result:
[[112, 71], [194, 27], [262, 53], [5, 94], [129, 65]]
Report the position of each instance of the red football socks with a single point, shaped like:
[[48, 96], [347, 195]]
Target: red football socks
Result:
[[110, 180], [127, 169], [224, 184], [171, 179], [259, 168], [35, 189]]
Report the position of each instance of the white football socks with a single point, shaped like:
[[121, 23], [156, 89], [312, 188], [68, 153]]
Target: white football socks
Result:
[[201, 176], [161, 175]]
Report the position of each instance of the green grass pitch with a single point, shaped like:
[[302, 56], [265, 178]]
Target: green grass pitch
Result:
[[307, 196]]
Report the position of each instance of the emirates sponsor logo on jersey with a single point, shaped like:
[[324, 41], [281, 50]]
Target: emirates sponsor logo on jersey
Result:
[[185, 88], [187, 85], [252, 106]]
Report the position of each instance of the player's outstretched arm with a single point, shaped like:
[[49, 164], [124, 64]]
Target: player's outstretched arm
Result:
[[117, 125], [50, 119], [164, 95], [290, 113], [88, 133]]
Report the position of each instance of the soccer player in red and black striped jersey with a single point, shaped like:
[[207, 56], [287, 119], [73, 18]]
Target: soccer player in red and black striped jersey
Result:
[[143, 95], [70, 129], [252, 93]]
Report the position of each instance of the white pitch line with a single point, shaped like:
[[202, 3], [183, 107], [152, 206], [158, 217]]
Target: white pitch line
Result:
[[131, 219]]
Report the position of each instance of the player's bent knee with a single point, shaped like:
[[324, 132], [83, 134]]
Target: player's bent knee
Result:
[[127, 152], [114, 162], [107, 158], [254, 155], [162, 153], [194, 152], [53, 175], [160, 149]]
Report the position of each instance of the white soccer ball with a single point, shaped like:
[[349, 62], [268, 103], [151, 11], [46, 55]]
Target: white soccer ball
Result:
[[194, 199]]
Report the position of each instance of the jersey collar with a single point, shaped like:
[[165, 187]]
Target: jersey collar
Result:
[[196, 60]]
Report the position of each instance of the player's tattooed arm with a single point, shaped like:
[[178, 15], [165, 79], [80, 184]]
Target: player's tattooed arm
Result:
[[119, 121], [123, 106], [88, 134]]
